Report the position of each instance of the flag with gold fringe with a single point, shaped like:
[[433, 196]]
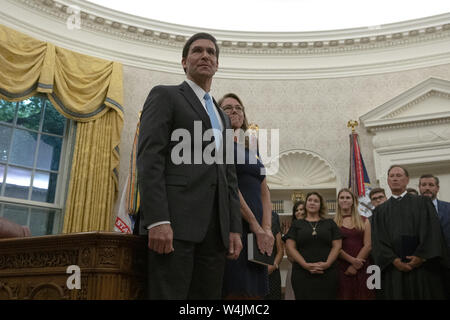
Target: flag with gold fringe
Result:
[[132, 190], [129, 202], [359, 181], [123, 221]]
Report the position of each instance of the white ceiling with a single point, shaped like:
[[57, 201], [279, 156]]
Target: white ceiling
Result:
[[279, 15]]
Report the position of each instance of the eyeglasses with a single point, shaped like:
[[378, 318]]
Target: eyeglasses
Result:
[[229, 108], [381, 197]]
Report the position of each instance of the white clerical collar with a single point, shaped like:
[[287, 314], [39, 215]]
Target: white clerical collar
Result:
[[400, 196]]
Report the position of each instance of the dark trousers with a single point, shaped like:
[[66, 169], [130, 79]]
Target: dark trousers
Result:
[[447, 283], [192, 271], [274, 286]]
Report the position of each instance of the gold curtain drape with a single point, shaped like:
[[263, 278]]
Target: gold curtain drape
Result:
[[82, 88]]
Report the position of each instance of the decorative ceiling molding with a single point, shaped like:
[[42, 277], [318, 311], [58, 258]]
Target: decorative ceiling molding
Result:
[[410, 109], [157, 45], [300, 169], [324, 42]]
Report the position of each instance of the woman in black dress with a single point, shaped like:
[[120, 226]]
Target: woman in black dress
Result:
[[244, 279], [298, 211], [314, 242]]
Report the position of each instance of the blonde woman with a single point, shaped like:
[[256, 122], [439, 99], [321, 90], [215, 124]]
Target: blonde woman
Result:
[[356, 246], [313, 243]]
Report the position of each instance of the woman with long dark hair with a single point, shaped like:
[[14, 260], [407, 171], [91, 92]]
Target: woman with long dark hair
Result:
[[314, 242]]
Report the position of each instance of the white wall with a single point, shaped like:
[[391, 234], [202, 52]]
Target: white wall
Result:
[[311, 114]]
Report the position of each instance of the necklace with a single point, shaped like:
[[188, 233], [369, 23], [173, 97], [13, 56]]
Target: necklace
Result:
[[314, 233]]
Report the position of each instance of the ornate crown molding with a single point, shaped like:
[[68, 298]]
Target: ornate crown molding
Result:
[[157, 45], [130, 27]]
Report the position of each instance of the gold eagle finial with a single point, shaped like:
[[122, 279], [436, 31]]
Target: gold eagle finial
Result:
[[352, 124]]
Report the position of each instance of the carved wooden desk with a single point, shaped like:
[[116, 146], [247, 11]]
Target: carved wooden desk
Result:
[[112, 266]]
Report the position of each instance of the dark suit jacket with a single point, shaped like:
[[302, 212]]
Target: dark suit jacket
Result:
[[182, 193], [444, 218]]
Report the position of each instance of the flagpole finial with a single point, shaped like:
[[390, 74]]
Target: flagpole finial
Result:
[[352, 124], [297, 196], [253, 126]]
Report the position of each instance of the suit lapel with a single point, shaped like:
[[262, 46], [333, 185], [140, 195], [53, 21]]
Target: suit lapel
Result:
[[190, 96], [440, 208]]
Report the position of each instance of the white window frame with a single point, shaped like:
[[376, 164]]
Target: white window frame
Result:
[[62, 184]]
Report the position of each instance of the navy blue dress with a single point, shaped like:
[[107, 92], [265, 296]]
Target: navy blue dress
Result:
[[244, 278]]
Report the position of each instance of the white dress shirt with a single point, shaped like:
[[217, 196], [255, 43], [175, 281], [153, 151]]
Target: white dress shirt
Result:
[[435, 204], [200, 93]]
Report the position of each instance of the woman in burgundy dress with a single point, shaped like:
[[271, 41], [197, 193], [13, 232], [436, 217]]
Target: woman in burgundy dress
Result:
[[356, 245]]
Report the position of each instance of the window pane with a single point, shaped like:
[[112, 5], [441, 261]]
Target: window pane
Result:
[[17, 214], [5, 139], [24, 147], [2, 172], [54, 122], [29, 114], [7, 110], [44, 187], [17, 183], [49, 152], [41, 221]]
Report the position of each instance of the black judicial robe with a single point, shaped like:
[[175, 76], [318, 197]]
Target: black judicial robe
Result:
[[409, 227]]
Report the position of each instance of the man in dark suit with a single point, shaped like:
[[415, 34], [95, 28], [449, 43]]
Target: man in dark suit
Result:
[[429, 186], [189, 207]]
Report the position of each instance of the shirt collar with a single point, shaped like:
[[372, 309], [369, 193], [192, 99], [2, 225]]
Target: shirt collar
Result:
[[199, 92], [400, 196], [435, 202]]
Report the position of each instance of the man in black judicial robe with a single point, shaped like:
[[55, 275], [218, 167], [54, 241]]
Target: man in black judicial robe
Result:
[[408, 244]]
